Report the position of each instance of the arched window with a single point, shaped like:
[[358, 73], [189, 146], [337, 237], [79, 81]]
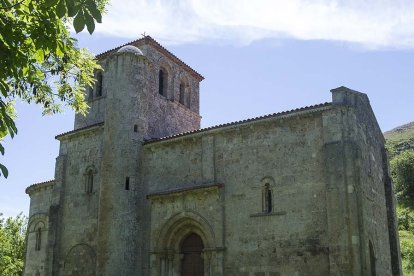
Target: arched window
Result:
[[162, 82], [89, 182], [267, 198], [99, 79], [38, 239], [89, 176], [182, 92]]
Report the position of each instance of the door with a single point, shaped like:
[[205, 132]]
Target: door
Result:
[[192, 262]]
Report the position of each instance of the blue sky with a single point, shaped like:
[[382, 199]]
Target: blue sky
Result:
[[258, 57]]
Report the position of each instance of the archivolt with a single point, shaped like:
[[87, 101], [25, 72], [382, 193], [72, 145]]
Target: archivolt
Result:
[[180, 226]]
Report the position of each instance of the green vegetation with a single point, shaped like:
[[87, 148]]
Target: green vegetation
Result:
[[12, 245], [40, 61], [400, 144], [402, 172], [400, 139]]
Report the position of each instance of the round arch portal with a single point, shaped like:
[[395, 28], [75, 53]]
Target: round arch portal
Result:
[[184, 245]]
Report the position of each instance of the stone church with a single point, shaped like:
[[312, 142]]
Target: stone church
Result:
[[140, 189]]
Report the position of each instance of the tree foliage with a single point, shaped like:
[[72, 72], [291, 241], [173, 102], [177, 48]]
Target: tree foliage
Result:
[[402, 171], [12, 245], [40, 61]]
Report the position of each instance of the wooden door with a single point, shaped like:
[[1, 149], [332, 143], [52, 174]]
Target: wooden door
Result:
[[192, 263]]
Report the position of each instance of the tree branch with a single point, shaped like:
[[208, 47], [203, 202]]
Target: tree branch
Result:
[[12, 6]]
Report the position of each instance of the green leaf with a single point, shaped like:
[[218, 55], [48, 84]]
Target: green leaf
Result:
[[4, 88], [4, 171], [50, 3], [60, 49], [72, 8], [1, 149], [93, 10], [90, 24], [79, 22], [61, 9]]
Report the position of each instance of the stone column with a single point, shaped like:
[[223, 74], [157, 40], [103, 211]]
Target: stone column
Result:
[[170, 260], [206, 255]]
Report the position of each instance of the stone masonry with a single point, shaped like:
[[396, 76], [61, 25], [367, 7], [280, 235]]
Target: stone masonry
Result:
[[140, 189]]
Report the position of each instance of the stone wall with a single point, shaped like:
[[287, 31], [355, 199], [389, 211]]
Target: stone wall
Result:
[[370, 186], [324, 169], [162, 115], [38, 228], [285, 152], [79, 203], [96, 112]]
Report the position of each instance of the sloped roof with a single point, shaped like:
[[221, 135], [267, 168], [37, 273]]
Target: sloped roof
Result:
[[37, 186], [78, 130], [147, 40], [274, 115]]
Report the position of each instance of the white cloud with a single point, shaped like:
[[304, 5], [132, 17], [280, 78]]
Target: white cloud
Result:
[[371, 23]]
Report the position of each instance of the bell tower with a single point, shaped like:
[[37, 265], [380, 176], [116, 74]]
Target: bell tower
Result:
[[142, 93]]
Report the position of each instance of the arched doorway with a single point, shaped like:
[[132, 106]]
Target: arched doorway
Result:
[[192, 262]]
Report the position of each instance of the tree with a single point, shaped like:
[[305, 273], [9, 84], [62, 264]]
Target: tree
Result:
[[402, 171], [40, 61], [12, 245]]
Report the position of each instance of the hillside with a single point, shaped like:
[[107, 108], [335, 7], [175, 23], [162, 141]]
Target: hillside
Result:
[[400, 139]]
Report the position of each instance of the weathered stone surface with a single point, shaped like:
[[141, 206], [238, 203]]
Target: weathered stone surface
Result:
[[304, 192]]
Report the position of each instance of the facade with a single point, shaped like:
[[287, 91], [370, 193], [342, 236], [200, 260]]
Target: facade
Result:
[[140, 189]]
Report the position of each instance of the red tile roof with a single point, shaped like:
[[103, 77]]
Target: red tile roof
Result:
[[279, 114]]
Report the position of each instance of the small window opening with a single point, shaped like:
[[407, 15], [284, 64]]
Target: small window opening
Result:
[[372, 259], [135, 128], [90, 93], [127, 184], [99, 84], [182, 93], [161, 79], [267, 199], [188, 99], [89, 183], [38, 239]]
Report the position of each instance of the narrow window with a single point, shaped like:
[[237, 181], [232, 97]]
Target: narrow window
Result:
[[38, 239], [372, 259], [135, 128], [127, 184], [161, 82], [267, 199], [99, 84], [89, 183], [90, 93], [188, 99], [182, 93]]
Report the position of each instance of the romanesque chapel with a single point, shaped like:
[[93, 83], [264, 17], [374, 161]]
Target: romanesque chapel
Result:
[[140, 189]]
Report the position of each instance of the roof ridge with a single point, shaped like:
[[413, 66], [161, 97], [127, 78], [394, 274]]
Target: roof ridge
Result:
[[149, 141], [79, 129], [118, 47], [149, 40]]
